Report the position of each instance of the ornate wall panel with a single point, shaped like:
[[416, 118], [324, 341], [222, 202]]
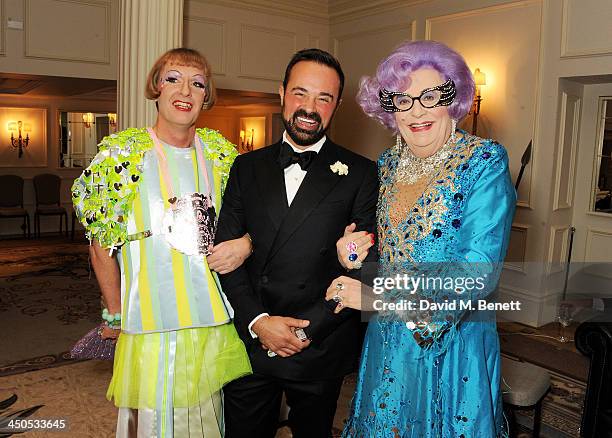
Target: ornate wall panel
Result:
[[517, 248], [265, 51], [558, 246], [68, 30], [580, 39], [210, 38], [569, 122], [598, 245], [2, 29]]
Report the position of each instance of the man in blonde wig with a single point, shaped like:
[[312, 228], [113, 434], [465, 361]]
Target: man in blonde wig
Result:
[[148, 202]]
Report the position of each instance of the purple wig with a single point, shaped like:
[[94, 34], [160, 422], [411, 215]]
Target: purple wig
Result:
[[392, 74]]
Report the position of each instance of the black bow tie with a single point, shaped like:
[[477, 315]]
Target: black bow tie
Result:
[[287, 156]]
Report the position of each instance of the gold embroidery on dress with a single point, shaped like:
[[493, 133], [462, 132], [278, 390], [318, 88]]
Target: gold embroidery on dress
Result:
[[404, 198], [427, 209]]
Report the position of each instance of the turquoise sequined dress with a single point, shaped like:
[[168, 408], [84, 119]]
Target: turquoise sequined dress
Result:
[[442, 382]]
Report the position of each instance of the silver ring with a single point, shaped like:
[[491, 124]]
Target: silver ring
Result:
[[357, 264], [301, 334], [337, 298], [271, 353], [340, 286]]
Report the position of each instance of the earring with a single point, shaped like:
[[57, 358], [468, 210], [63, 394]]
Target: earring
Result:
[[399, 141]]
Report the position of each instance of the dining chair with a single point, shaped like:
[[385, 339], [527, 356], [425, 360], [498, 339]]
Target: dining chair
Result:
[[47, 188], [11, 201]]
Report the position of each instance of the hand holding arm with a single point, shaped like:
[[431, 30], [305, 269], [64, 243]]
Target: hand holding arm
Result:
[[363, 241], [346, 292], [231, 225], [322, 314], [229, 255]]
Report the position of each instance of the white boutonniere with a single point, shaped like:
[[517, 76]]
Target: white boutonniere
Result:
[[339, 168]]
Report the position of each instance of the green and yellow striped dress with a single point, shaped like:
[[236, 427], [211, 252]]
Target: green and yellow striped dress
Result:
[[178, 346]]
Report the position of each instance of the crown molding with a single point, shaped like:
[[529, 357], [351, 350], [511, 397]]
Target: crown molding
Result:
[[315, 10], [346, 10]]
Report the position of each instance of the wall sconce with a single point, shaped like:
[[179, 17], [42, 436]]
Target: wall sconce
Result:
[[479, 79], [88, 119], [19, 143], [246, 139], [112, 120]]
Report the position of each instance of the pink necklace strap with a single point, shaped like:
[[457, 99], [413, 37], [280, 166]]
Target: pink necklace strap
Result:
[[163, 162]]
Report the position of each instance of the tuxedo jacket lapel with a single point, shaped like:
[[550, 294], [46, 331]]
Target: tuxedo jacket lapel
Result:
[[271, 184], [319, 181]]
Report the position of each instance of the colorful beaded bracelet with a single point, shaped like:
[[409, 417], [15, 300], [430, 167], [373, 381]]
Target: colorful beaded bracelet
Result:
[[111, 319]]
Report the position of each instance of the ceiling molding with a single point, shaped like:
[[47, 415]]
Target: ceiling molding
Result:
[[54, 86], [17, 86], [236, 99], [346, 10], [315, 10]]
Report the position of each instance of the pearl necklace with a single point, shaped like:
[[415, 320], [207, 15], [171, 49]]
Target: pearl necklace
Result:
[[412, 168]]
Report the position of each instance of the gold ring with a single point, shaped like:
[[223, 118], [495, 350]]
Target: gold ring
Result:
[[340, 286]]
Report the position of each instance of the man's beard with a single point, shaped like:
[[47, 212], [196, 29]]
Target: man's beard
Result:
[[303, 137]]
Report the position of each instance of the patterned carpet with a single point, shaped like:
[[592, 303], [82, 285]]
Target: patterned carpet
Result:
[[562, 408], [74, 393], [48, 301], [23, 256]]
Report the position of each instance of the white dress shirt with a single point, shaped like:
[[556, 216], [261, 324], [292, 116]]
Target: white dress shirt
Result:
[[294, 175]]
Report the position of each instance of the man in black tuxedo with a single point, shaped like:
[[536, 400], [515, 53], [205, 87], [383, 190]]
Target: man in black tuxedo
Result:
[[295, 198]]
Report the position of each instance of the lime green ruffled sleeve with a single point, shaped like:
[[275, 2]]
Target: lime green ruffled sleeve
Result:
[[103, 194], [220, 151]]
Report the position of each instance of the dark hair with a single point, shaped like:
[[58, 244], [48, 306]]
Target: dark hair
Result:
[[320, 57]]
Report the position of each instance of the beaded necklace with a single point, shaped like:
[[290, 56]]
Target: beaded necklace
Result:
[[412, 168]]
